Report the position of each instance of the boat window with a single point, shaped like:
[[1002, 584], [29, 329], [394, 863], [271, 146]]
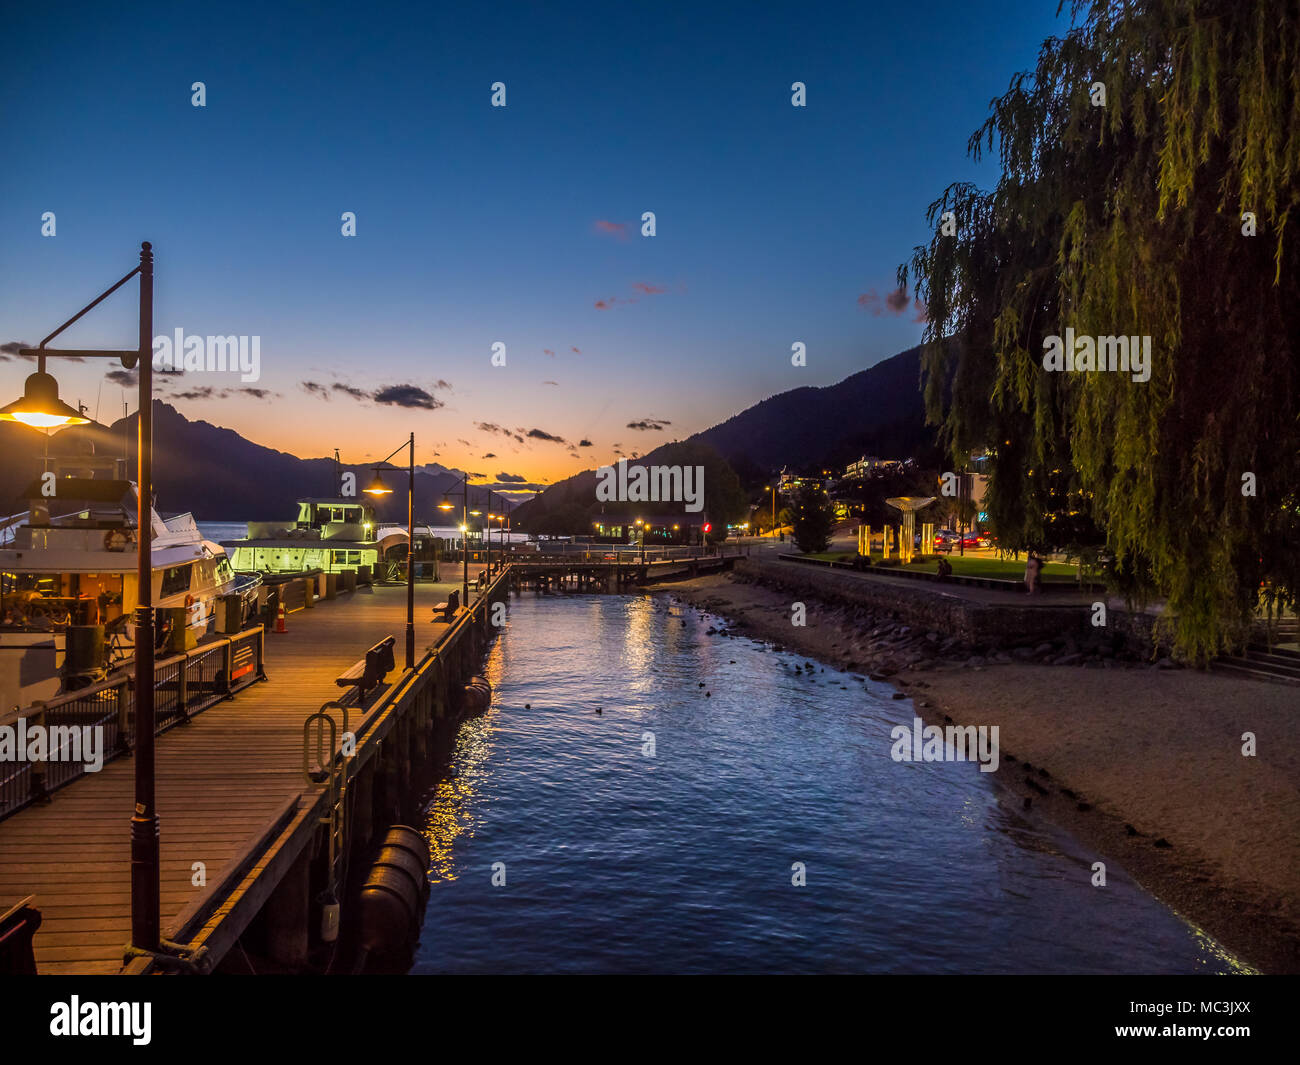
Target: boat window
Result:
[[175, 580], [347, 558]]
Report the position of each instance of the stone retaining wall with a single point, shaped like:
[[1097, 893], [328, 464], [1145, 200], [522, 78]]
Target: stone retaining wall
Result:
[[927, 608]]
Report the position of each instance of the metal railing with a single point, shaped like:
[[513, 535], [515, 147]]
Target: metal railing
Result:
[[623, 554], [184, 685]]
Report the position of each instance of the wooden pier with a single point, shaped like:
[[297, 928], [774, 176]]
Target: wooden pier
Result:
[[245, 830], [589, 574], [231, 790]]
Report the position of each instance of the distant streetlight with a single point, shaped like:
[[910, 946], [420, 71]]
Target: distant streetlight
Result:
[[378, 488], [465, 513]]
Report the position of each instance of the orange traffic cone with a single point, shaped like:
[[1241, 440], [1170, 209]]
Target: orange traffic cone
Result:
[[279, 619]]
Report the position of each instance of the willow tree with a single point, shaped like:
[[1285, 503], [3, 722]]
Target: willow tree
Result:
[[1150, 166]]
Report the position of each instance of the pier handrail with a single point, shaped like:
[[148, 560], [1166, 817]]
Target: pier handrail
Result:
[[184, 684], [198, 927]]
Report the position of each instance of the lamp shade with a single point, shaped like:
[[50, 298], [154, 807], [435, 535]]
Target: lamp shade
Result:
[[40, 406], [446, 503], [377, 487]]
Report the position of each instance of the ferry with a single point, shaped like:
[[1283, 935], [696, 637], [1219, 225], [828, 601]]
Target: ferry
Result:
[[328, 534], [77, 570]]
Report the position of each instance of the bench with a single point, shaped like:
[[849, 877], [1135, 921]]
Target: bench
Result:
[[369, 671], [17, 926], [446, 611]]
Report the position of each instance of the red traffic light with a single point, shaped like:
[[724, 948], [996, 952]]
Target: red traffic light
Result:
[[707, 527]]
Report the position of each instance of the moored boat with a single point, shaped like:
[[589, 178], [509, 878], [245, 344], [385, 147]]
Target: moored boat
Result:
[[330, 535], [73, 575]]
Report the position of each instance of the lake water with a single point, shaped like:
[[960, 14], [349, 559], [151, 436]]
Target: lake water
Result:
[[682, 862]]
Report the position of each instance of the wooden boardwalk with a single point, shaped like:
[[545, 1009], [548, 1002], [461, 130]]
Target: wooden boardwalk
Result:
[[220, 781]]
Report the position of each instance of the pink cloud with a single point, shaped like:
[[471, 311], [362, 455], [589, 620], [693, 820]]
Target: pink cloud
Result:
[[895, 302], [639, 287], [612, 229], [548, 351]]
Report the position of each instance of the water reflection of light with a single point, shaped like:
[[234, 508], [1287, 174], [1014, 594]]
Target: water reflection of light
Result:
[[638, 640], [1213, 949], [450, 812]]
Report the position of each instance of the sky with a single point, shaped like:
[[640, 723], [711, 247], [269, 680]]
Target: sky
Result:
[[478, 225]]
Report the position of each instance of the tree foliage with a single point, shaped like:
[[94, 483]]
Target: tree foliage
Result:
[[811, 518], [1127, 219]]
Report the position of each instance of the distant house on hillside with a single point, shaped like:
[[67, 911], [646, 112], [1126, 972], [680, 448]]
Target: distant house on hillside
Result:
[[871, 466], [791, 482]]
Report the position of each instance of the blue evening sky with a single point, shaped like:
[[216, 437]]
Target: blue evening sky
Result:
[[478, 224]]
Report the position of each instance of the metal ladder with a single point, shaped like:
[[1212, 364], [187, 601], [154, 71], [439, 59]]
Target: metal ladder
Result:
[[324, 763]]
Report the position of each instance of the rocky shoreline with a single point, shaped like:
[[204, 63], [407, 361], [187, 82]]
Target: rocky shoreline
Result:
[[1140, 760]]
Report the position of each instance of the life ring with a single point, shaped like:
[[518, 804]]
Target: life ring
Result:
[[116, 540]]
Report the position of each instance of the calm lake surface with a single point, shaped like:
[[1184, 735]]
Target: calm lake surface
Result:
[[681, 862]]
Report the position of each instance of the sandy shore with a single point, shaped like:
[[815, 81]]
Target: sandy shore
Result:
[[1144, 765]]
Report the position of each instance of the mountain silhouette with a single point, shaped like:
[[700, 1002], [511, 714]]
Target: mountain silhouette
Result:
[[217, 475], [877, 411]]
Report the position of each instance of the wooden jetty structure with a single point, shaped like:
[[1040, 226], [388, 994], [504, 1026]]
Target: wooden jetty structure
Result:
[[594, 573], [269, 782]]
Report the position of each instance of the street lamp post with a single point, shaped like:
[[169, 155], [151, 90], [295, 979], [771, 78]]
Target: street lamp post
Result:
[[378, 488], [446, 504], [40, 407], [487, 524]]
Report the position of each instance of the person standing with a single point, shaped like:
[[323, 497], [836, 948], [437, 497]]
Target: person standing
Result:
[[1033, 567]]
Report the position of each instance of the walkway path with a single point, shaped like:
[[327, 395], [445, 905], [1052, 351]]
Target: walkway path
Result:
[[220, 780]]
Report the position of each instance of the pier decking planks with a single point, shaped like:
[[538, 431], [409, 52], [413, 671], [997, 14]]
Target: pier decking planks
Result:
[[220, 779]]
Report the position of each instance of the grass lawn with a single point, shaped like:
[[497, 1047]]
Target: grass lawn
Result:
[[968, 566], [1004, 568]]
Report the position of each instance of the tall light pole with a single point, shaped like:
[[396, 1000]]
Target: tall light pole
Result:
[[40, 407], [378, 488], [446, 504]]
